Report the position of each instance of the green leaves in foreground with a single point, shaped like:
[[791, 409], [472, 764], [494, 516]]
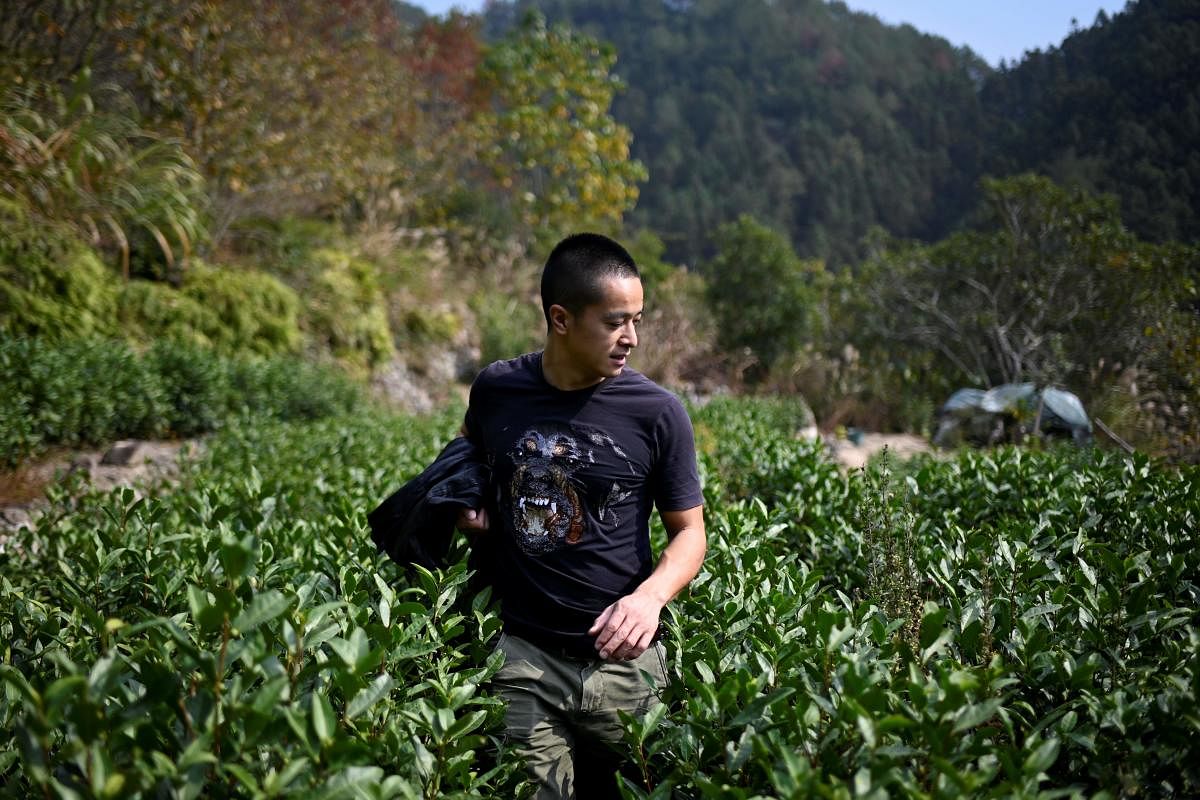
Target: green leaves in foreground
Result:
[[1002, 624], [242, 638]]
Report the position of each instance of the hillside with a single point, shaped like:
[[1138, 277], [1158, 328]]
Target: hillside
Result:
[[1115, 108], [824, 122], [818, 120]]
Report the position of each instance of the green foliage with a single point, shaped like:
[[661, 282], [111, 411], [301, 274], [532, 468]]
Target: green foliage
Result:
[[1049, 288], [257, 312], [290, 390], [761, 294], [508, 326], [150, 311], [647, 250], [819, 121], [550, 139], [81, 159], [75, 392], [92, 391], [345, 313], [1112, 109], [51, 284], [1003, 624], [243, 636], [195, 385]]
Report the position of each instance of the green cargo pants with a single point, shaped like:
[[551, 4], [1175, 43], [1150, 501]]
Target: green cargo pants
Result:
[[562, 713]]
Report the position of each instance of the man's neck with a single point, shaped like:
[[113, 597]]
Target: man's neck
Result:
[[559, 373]]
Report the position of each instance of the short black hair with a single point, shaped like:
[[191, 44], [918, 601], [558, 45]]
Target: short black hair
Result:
[[577, 268]]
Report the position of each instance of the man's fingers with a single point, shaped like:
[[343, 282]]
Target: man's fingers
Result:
[[618, 640], [472, 519], [601, 621]]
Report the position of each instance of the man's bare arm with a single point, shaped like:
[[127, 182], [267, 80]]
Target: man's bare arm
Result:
[[625, 629]]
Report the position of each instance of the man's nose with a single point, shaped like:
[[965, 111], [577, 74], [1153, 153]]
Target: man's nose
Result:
[[629, 335]]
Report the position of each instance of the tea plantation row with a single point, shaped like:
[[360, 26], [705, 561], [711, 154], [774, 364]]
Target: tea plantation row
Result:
[[1002, 624]]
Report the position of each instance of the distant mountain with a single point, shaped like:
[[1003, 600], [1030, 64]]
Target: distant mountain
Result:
[[409, 13], [1114, 108], [817, 120], [824, 122]]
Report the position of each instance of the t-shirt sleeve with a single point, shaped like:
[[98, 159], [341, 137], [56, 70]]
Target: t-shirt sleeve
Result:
[[676, 478], [471, 421]]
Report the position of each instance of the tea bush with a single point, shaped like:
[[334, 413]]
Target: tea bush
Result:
[[1004, 624], [89, 392]]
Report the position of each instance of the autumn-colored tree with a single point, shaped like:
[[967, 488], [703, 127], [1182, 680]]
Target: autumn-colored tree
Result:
[[550, 141]]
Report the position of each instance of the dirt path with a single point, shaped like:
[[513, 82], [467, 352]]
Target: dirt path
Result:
[[901, 445]]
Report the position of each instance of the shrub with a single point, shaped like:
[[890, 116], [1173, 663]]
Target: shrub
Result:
[[761, 294], [51, 284], [89, 392], [288, 391], [149, 311], [507, 326], [257, 313], [76, 392], [195, 383], [347, 315], [1005, 624]]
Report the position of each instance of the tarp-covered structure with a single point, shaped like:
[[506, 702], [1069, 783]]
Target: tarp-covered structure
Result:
[[1009, 413]]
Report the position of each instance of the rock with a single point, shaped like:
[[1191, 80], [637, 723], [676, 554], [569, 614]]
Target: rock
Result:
[[121, 453], [85, 462], [13, 518], [403, 389]]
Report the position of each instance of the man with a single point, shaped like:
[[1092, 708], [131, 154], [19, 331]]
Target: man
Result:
[[581, 448]]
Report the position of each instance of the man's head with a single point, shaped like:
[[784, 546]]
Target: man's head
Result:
[[578, 269], [592, 298]]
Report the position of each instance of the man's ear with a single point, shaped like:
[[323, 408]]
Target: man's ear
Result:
[[560, 319]]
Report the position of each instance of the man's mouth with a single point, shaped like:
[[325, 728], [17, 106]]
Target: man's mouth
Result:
[[619, 358]]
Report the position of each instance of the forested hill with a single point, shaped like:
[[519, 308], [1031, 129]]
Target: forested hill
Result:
[[1115, 108], [817, 120], [824, 122]]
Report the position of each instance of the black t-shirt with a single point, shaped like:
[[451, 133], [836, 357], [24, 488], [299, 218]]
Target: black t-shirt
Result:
[[577, 474]]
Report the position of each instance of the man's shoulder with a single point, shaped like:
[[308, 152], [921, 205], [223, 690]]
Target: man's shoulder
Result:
[[522, 368], [635, 385], [632, 379]]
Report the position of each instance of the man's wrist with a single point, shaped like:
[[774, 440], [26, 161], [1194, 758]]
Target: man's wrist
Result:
[[655, 594]]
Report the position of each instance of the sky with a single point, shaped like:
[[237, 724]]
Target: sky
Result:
[[993, 29]]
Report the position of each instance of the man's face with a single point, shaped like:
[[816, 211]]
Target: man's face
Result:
[[600, 338]]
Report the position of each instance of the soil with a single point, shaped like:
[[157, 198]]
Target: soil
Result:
[[902, 446]]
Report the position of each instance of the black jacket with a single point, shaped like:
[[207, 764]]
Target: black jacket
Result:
[[415, 524]]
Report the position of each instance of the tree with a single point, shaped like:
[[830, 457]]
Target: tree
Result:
[[1050, 286], [761, 294], [552, 146]]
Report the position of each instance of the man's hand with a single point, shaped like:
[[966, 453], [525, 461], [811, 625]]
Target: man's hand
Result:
[[472, 519], [625, 629]]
